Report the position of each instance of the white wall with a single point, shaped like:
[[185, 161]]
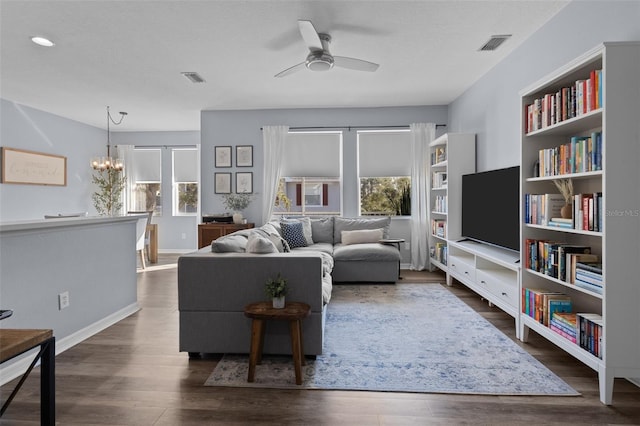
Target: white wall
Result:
[[31, 129], [491, 108]]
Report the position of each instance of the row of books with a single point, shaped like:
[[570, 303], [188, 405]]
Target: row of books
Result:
[[439, 179], [439, 228], [440, 203], [584, 329], [558, 259], [439, 252], [588, 275], [581, 154], [582, 97], [545, 209], [438, 155], [540, 304]]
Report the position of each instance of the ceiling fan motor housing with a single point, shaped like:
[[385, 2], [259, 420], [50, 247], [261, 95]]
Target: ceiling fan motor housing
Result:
[[319, 61]]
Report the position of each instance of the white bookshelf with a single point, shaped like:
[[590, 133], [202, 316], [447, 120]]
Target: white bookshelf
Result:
[[619, 180], [446, 199]]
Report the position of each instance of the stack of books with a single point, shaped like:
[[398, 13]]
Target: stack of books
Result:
[[565, 324], [589, 276]]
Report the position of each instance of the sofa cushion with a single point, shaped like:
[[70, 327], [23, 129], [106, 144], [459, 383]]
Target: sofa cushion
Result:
[[322, 229], [361, 236], [260, 244], [352, 224], [232, 243], [306, 227], [269, 230], [322, 247], [292, 232], [373, 252]]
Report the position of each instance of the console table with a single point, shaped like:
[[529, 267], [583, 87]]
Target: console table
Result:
[[208, 232], [14, 342]]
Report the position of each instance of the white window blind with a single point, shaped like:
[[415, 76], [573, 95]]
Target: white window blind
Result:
[[384, 153], [317, 154], [185, 165], [147, 165]]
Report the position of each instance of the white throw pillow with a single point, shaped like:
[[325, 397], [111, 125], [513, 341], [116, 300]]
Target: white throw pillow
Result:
[[362, 236], [261, 245]]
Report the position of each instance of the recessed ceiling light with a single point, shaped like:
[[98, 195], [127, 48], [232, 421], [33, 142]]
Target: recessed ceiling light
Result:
[[41, 41]]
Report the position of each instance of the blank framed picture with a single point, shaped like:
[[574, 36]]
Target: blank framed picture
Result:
[[222, 183], [244, 182], [244, 156], [223, 156]]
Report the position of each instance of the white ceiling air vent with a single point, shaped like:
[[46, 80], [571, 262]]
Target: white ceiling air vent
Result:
[[194, 77], [494, 42]]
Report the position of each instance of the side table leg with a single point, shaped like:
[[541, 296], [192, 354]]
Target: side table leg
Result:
[[255, 352], [294, 327], [48, 383]]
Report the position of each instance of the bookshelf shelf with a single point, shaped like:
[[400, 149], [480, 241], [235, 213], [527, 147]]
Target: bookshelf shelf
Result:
[[613, 121], [450, 156]]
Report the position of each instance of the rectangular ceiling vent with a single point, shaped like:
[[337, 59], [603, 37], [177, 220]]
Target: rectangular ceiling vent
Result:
[[494, 42], [194, 77]]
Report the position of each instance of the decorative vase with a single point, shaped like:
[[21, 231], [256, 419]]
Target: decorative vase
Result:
[[565, 211], [278, 302], [237, 218]]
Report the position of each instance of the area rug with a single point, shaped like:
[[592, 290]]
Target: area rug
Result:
[[404, 338]]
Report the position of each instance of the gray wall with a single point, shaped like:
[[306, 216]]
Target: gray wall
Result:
[[175, 233], [31, 129], [491, 108]]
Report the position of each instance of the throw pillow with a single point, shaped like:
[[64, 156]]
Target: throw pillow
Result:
[[293, 234], [259, 244], [229, 243], [306, 227], [362, 236]]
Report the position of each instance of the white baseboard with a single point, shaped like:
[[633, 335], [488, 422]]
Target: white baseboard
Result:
[[175, 251], [20, 365]]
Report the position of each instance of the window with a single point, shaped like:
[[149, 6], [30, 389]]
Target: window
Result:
[[146, 176], [185, 182], [384, 172], [311, 175]]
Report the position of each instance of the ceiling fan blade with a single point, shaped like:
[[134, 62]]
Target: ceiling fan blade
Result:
[[291, 70], [310, 35], [354, 64]]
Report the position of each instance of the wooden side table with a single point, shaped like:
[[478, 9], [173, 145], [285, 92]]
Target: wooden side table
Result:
[[208, 232], [260, 312], [14, 342]]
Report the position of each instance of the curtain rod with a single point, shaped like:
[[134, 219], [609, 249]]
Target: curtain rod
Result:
[[161, 146], [349, 128]]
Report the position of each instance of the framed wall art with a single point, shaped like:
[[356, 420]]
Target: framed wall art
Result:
[[33, 168], [244, 182], [244, 156], [223, 156], [222, 183]]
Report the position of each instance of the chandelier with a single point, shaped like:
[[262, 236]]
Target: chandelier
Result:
[[108, 163]]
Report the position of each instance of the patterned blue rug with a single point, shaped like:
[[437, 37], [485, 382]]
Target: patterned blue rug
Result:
[[404, 338]]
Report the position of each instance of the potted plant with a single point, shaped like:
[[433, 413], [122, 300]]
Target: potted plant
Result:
[[236, 203], [565, 186], [276, 289]]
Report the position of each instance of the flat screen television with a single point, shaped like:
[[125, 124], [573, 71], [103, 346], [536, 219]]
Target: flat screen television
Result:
[[490, 207]]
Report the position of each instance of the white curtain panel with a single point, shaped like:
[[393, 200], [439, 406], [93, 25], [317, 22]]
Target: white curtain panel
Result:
[[273, 138], [421, 136], [126, 153]]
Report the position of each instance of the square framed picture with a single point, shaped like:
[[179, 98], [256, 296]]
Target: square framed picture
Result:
[[223, 156], [244, 182], [244, 156], [222, 183]]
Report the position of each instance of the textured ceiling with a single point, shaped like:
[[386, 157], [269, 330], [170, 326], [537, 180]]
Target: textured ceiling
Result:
[[129, 54]]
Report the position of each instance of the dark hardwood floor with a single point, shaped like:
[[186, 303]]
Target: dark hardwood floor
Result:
[[133, 374]]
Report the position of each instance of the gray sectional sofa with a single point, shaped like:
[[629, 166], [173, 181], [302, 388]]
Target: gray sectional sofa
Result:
[[216, 282]]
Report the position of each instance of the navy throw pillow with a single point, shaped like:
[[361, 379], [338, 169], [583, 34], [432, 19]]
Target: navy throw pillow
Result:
[[292, 232]]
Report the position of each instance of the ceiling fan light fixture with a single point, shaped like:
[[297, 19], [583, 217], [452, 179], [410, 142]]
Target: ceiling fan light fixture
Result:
[[319, 61]]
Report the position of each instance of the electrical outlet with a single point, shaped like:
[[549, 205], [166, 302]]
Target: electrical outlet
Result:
[[407, 245], [63, 300]]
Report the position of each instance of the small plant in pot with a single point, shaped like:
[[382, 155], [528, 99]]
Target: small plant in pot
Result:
[[276, 289]]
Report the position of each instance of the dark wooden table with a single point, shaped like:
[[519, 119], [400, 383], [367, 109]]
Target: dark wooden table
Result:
[[260, 312], [14, 342]]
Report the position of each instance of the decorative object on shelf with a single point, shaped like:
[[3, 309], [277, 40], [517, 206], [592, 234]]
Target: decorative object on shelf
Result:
[[222, 183], [244, 156], [565, 186], [237, 203], [109, 178], [223, 156], [244, 182], [276, 289]]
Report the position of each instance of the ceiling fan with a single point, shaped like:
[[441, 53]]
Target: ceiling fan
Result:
[[319, 58]]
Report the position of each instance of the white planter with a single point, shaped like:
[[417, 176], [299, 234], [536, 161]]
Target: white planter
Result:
[[237, 218], [278, 302]]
